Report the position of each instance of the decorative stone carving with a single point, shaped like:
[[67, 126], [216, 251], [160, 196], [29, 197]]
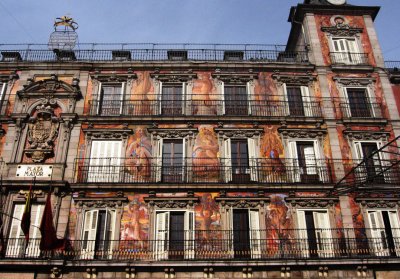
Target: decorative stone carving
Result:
[[243, 202], [172, 202], [235, 77], [354, 81], [379, 202], [113, 77], [312, 202], [173, 133], [366, 135], [9, 78], [174, 77], [122, 133], [301, 133], [117, 201], [239, 133], [300, 79], [42, 132], [340, 28]]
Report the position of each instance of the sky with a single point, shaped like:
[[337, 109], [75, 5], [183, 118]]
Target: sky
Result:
[[175, 21]]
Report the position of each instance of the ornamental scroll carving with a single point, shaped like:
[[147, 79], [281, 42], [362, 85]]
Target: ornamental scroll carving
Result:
[[378, 202], [42, 132], [314, 202], [100, 202], [239, 133], [243, 202], [365, 135], [172, 202], [304, 80], [342, 30]]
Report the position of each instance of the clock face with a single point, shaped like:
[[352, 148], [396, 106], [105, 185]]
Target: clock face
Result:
[[337, 2]]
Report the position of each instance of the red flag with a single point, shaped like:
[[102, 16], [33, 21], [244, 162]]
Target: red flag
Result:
[[26, 217], [49, 240]]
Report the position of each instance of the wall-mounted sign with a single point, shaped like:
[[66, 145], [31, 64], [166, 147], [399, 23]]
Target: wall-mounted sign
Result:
[[34, 171]]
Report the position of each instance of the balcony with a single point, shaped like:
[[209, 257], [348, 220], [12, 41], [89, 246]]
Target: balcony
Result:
[[153, 52], [196, 105], [203, 170], [361, 110], [349, 58], [294, 244]]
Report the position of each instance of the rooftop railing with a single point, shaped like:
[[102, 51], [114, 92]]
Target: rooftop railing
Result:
[[228, 245], [193, 105], [203, 170], [153, 52]]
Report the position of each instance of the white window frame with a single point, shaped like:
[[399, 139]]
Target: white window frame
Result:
[[17, 247], [305, 95], [249, 92], [370, 99], [88, 243], [323, 232], [161, 237], [253, 149], [186, 98], [100, 95], [347, 56], [254, 216], [105, 161], [292, 155], [377, 231]]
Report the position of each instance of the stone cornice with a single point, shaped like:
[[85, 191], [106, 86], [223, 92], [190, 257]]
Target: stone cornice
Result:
[[354, 81], [172, 202], [301, 133], [239, 132], [298, 79], [173, 132], [312, 202], [174, 76], [108, 133], [113, 77], [234, 77], [243, 202], [378, 202]]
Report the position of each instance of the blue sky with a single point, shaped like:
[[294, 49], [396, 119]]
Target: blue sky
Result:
[[174, 21]]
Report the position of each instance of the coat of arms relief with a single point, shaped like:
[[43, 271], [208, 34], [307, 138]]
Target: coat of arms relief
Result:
[[42, 133]]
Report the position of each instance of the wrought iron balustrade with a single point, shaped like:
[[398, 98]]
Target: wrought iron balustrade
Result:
[[193, 105], [349, 58], [295, 244], [203, 170], [361, 110], [153, 52]]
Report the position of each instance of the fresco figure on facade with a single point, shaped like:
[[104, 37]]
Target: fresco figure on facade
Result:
[[139, 154], [205, 97], [134, 225], [272, 167], [207, 220]]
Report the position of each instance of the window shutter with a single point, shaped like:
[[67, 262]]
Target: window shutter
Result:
[[377, 232], [159, 97], [249, 97], [305, 93], [294, 173], [255, 234], [98, 98], [34, 234], [303, 236], [184, 155], [323, 234], [16, 237], [105, 161], [162, 236], [2, 90], [189, 228], [185, 107], [227, 160], [251, 144], [395, 226], [320, 163], [285, 94], [371, 102], [222, 95], [89, 234], [228, 233], [358, 152], [159, 152], [122, 96]]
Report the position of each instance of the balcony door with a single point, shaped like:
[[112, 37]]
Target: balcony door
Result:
[[172, 99], [385, 232], [246, 236], [110, 99], [16, 238], [173, 153], [371, 169], [174, 235], [105, 161], [359, 104], [236, 101], [346, 51], [315, 236], [298, 98], [98, 234], [240, 160]]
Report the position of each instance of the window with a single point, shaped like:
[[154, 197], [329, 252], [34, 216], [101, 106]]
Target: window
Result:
[[240, 160], [3, 88], [244, 225], [98, 233], [110, 98], [371, 169], [16, 241], [385, 232], [236, 99], [170, 155], [315, 235], [358, 103], [298, 100], [172, 98], [105, 161], [307, 165], [346, 51], [174, 235]]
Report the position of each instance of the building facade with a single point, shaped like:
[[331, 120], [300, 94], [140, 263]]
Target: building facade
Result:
[[211, 161]]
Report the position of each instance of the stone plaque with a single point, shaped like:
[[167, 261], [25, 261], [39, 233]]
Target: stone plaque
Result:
[[34, 171]]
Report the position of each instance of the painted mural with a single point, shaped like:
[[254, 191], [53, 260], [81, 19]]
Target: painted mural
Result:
[[208, 219], [206, 163], [138, 163], [205, 97]]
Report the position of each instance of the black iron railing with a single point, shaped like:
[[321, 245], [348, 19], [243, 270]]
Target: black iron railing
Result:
[[153, 52], [140, 105], [202, 170], [392, 65], [349, 58], [363, 110], [225, 245]]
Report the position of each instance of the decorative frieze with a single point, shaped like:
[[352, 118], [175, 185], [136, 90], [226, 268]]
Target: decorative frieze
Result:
[[174, 76], [294, 79], [301, 133], [172, 202], [312, 202], [100, 202], [366, 135], [239, 132], [358, 82], [97, 133], [173, 133], [235, 77], [243, 202], [379, 202]]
